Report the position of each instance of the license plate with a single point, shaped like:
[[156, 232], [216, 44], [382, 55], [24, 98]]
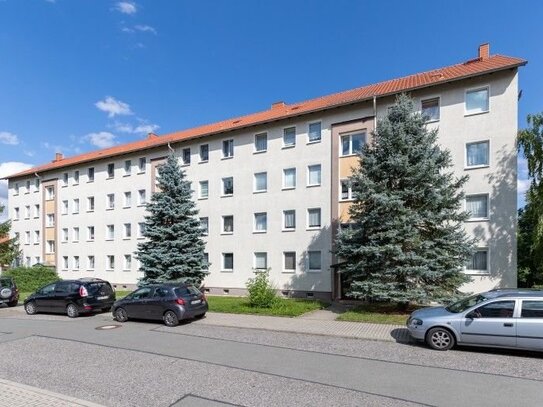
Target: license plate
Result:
[[196, 301], [103, 297]]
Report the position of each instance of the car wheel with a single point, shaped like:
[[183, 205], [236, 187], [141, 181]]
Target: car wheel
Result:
[[72, 311], [30, 308], [120, 315], [170, 319], [12, 303], [440, 339]]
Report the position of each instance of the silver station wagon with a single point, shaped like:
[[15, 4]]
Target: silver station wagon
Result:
[[503, 318]]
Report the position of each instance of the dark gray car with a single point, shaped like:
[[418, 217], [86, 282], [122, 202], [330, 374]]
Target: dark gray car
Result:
[[169, 302], [506, 318]]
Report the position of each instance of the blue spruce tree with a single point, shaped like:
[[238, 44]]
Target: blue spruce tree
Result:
[[173, 249], [406, 242]]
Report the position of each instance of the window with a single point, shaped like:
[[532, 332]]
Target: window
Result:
[[289, 261], [261, 260], [478, 261], [65, 178], [27, 187], [27, 212], [127, 262], [228, 224], [90, 233], [37, 260], [49, 193], [75, 207], [16, 213], [477, 154], [27, 261], [111, 170], [110, 262], [228, 148], [204, 225], [346, 190], [497, 309], [532, 309], [127, 232], [37, 185], [289, 220], [36, 237], [90, 203], [261, 142], [206, 262], [76, 177], [16, 189], [90, 174], [204, 152], [50, 220], [90, 262], [289, 178], [261, 222], [477, 101], [142, 164], [127, 167], [204, 189], [141, 197], [127, 199], [314, 218], [289, 137], [352, 143], [477, 206], [314, 134], [50, 246], [185, 156], [27, 237], [65, 237], [228, 186], [110, 202], [314, 260], [36, 211], [261, 182], [75, 234], [64, 208], [65, 262], [228, 261], [141, 229], [110, 232], [76, 263], [430, 109], [314, 175]]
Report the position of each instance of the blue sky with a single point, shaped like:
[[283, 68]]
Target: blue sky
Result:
[[78, 75]]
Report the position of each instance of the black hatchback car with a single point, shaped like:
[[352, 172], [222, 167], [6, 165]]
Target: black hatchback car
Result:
[[9, 294], [170, 302], [72, 297]]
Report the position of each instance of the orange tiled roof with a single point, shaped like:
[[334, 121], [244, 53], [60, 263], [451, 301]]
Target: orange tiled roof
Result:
[[478, 66]]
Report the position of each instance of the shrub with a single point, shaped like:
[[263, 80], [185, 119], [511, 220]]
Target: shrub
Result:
[[261, 291], [29, 279]]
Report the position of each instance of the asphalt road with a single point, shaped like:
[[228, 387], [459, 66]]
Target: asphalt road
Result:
[[147, 364]]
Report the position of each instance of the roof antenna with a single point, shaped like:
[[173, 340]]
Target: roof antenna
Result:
[[171, 149]]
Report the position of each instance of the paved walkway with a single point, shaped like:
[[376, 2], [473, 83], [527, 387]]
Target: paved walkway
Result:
[[20, 395], [319, 324]]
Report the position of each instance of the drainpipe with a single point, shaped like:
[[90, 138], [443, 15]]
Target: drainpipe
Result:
[[171, 149], [374, 112]]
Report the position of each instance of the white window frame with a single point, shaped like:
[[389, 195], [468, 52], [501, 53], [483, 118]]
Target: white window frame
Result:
[[200, 153], [259, 191], [27, 237], [50, 247], [65, 179], [36, 211], [110, 203], [350, 191], [142, 202], [75, 206], [183, 162], [142, 169], [222, 186], [127, 169], [285, 270], [474, 167], [320, 218], [89, 171], [265, 134], [91, 200], [64, 207], [255, 255], [36, 237], [27, 211], [76, 177], [284, 228], [91, 236], [127, 231], [110, 265], [110, 236], [127, 262], [309, 262], [200, 195], [108, 176], [91, 264], [141, 229], [230, 142], [223, 256], [308, 175], [205, 231], [64, 235], [255, 230], [223, 232], [430, 97], [484, 219], [480, 272], [127, 198], [284, 146], [350, 134], [64, 262], [76, 263], [473, 89], [285, 187], [50, 220], [50, 193], [75, 234], [308, 125]]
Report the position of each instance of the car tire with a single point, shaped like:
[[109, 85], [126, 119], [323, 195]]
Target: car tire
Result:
[[120, 315], [72, 311], [30, 308], [170, 319], [440, 339]]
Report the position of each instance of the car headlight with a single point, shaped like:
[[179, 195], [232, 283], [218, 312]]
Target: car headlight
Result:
[[415, 322]]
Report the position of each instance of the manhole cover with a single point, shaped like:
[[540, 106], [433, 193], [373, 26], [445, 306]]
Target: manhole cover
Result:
[[107, 327]]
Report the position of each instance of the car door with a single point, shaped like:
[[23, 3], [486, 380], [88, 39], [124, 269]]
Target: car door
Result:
[[136, 302], [492, 324], [155, 306], [57, 302], [44, 297], [530, 325]]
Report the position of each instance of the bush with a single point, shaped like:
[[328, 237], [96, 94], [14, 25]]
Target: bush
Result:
[[261, 291], [29, 279]]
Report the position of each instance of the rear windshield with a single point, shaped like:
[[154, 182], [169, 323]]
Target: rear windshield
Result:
[[5, 282], [186, 291], [99, 289]]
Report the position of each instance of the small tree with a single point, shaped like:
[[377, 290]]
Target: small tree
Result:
[[173, 249], [407, 242], [261, 290], [9, 248]]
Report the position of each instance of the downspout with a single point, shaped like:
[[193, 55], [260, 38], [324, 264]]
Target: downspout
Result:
[[374, 112], [171, 149]]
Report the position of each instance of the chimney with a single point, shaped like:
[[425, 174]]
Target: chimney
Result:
[[151, 136], [278, 105], [484, 51], [58, 157]]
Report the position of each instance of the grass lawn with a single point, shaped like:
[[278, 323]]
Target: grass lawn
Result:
[[283, 308], [377, 314]]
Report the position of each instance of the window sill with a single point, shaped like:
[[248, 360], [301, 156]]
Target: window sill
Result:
[[203, 198], [476, 167], [227, 158], [227, 196], [287, 147], [226, 233], [111, 270], [90, 240], [36, 217], [185, 165], [314, 271], [260, 151], [141, 172], [348, 155], [127, 207], [288, 188], [75, 213], [313, 185], [288, 271], [127, 238], [259, 231], [74, 241], [36, 244], [90, 269], [109, 240], [203, 162], [127, 270], [141, 205], [314, 141], [467, 114], [90, 182], [260, 192], [432, 121], [347, 200], [26, 193], [90, 211], [289, 230], [108, 178], [109, 209], [75, 184], [126, 175], [476, 272], [478, 220], [314, 228], [227, 271]]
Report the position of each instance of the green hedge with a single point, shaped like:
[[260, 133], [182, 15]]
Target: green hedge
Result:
[[29, 279]]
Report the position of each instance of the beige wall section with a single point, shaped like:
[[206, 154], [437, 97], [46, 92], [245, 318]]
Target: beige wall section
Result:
[[49, 233], [346, 165], [49, 206], [155, 163]]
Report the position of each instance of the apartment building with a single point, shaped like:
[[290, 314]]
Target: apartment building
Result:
[[272, 188]]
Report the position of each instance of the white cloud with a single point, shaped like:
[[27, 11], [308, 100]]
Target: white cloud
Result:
[[113, 107], [142, 129], [8, 138], [145, 28], [6, 169], [102, 139], [127, 7]]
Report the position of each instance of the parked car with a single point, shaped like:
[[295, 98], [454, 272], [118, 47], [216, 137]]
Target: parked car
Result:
[[170, 302], [503, 318], [73, 297], [9, 294]]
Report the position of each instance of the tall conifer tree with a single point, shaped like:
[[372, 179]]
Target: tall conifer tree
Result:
[[407, 241], [173, 249], [9, 248]]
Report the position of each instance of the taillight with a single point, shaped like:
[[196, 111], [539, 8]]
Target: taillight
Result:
[[180, 301], [83, 291]]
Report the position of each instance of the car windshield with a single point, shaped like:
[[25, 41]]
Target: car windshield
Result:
[[466, 303], [99, 289]]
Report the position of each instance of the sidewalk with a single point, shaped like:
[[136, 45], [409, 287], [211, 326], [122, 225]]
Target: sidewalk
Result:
[[20, 395], [316, 325]]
